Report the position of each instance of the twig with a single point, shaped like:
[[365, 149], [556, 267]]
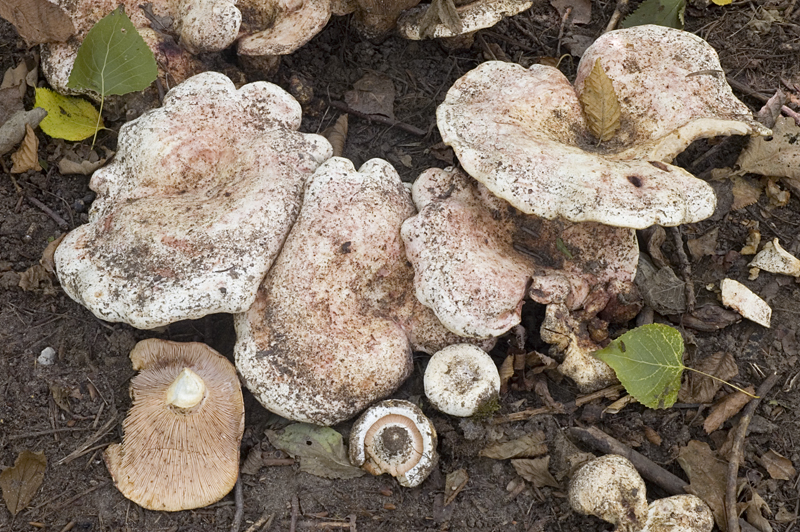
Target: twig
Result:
[[621, 4], [295, 513], [525, 415], [62, 224], [408, 128], [238, 495], [73, 499], [87, 445], [612, 392], [263, 523], [46, 432], [650, 470], [731, 512]]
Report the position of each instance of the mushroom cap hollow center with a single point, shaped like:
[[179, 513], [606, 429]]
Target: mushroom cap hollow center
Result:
[[394, 444], [187, 390]]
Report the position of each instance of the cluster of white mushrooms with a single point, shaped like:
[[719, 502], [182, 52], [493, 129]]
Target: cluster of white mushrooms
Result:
[[335, 275]]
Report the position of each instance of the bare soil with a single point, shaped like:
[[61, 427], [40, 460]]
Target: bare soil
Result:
[[77, 403]]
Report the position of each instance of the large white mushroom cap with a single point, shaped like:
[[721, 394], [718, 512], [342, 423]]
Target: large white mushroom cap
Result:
[[195, 206], [521, 132]]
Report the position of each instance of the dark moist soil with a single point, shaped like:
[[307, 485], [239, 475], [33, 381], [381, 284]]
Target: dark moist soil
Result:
[[72, 409]]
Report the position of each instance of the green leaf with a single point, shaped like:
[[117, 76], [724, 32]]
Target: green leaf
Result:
[[648, 363], [667, 13], [113, 58], [320, 450], [68, 117]]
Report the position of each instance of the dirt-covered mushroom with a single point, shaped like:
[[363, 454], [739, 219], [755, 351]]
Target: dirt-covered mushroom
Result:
[[395, 437], [473, 15], [335, 320], [462, 380], [180, 448], [279, 27], [610, 488], [522, 133], [194, 208]]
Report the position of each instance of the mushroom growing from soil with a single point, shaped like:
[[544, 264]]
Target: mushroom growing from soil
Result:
[[194, 208], [610, 488], [394, 437], [335, 320], [462, 380], [180, 448]]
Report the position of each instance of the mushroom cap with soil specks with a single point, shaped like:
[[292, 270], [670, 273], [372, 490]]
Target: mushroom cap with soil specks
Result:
[[394, 437], [332, 326], [289, 25], [461, 379], [521, 132], [180, 448], [194, 208], [679, 513]]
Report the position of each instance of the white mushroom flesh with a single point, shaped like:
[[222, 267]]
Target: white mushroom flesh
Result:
[[679, 513], [461, 379], [187, 390]]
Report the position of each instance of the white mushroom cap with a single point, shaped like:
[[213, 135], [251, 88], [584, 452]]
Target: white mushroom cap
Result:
[[395, 437], [474, 16], [180, 448], [610, 488], [461, 379], [522, 133], [195, 206], [292, 24], [208, 25], [679, 513]]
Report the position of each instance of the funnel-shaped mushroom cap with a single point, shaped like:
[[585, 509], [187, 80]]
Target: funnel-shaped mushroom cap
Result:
[[326, 335], [522, 132], [194, 208], [180, 448], [290, 24]]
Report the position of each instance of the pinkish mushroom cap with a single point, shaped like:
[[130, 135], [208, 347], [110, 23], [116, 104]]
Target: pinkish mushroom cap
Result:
[[280, 27], [195, 207], [332, 327], [522, 132]]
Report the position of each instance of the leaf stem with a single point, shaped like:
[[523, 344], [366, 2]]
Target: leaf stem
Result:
[[704, 374], [99, 117]]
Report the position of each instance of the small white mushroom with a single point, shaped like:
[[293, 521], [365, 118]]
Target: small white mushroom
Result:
[[461, 380], [395, 437]]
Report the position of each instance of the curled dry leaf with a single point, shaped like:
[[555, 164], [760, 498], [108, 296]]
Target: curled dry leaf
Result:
[[745, 192], [778, 466], [14, 129], [756, 508], [27, 156], [20, 482], [701, 389], [38, 21], [48, 261], [752, 242], [778, 157], [726, 408], [525, 447], [600, 104], [707, 477], [703, 245], [320, 450], [535, 471], [373, 94]]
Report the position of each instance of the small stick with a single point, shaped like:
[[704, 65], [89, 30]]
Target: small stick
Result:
[[621, 4], [731, 512], [263, 523], [238, 495], [525, 414], [295, 513], [87, 446], [653, 472], [62, 224], [46, 432], [73, 499], [408, 128], [612, 392]]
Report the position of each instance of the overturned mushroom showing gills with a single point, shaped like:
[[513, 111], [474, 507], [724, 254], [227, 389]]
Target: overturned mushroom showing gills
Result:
[[180, 448], [521, 132], [194, 208], [462, 380], [395, 437]]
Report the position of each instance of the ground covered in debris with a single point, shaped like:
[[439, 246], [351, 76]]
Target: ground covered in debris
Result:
[[72, 409]]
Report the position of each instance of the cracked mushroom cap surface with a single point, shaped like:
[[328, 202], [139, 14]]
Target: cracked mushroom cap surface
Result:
[[679, 513], [195, 206], [522, 133], [332, 326], [180, 448], [394, 437], [474, 16], [281, 26], [476, 258]]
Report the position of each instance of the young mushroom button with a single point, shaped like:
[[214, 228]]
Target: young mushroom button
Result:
[[461, 380], [395, 437]]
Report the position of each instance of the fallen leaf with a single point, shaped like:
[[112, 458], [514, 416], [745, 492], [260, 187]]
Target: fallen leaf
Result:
[[66, 166], [704, 245], [660, 288], [535, 471], [707, 477], [667, 13], [38, 21], [20, 482], [337, 135], [771, 110], [320, 450], [61, 396], [775, 156], [783, 515], [752, 242], [581, 10], [37, 278], [27, 155], [527, 446], [745, 192], [600, 104], [652, 436], [68, 117], [453, 484], [778, 466], [14, 78], [506, 371], [756, 508], [778, 197], [701, 389], [373, 94], [726, 408], [440, 11], [10, 103]]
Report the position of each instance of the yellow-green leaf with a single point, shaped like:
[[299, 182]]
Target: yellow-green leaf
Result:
[[68, 117], [722, 2], [20, 482], [600, 104]]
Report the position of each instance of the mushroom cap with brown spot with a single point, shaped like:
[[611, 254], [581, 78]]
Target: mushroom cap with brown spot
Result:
[[175, 458], [461, 379]]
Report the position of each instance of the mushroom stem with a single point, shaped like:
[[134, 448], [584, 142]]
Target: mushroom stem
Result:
[[187, 390]]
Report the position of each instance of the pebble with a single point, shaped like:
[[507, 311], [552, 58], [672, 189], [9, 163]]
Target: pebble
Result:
[[47, 357]]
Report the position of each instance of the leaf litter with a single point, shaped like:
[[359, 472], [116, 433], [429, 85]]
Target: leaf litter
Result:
[[320, 450], [20, 482]]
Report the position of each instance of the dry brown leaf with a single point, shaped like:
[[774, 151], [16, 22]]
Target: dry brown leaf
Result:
[[10, 103], [726, 408], [535, 471], [48, 261], [581, 10], [756, 508], [440, 12], [707, 477], [453, 484], [337, 135], [14, 78], [27, 155], [373, 94], [19, 483], [700, 389], [744, 193], [704, 245], [778, 466], [35, 278], [38, 21], [506, 371], [529, 445], [778, 197], [600, 104], [752, 242], [66, 166], [652, 436], [776, 156]]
